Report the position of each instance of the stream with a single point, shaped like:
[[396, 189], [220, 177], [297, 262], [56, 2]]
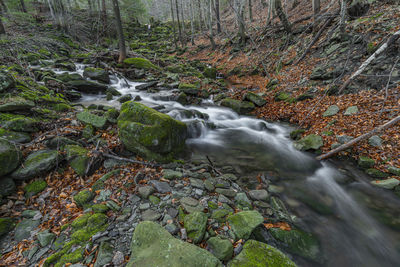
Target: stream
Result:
[[353, 220]]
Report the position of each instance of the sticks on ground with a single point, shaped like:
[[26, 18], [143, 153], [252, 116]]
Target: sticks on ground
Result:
[[107, 155], [358, 139]]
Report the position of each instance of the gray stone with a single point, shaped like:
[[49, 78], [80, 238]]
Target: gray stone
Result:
[[145, 191], [365, 162], [161, 187], [242, 201], [118, 258], [375, 141], [10, 157], [105, 255], [243, 223], [39, 162], [226, 192], [222, 184], [221, 248], [171, 174], [197, 183], [394, 170], [256, 99], [16, 104], [144, 206], [88, 118], [343, 139], [351, 111], [97, 74], [7, 187], [308, 142], [262, 194], [209, 185], [389, 183], [30, 213], [191, 205], [150, 215], [332, 110], [171, 228], [45, 238], [24, 228]]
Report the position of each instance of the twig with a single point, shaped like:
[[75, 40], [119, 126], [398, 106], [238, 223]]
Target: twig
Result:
[[212, 166], [107, 155], [387, 85]]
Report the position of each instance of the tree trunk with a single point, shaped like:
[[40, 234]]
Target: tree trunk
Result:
[[173, 24], [3, 6], [2, 29], [316, 5], [210, 24], [342, 16], [191, 22], [179, 22], [122, 48], [104, 15], [271, 9], [90, 7], [183, 21], [23, 7], [282, 16], [217, 16], [250, 11], [200, 15]]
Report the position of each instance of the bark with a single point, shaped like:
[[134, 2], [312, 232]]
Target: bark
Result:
[[23, 7], [173, 24], [191, 22], [282, 16], [217, 16], [179, 22], [210, 25], [122, 48], [2, 29], [104, 15], [360, 138], [316, 5], [342, 16], [200, 15], [250, 11], [365, 64]]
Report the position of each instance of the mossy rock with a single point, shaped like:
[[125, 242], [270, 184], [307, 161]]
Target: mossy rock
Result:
[[241, 107], [243, 223], [189, 89], [87, 86], [60, 142], [15, 104], [140, 63], [80, 222], [100, 208], [296, 134], [73, 257], [311, 141], [6, 225], [86, 117], [283, 96], [37, 163], [66, 77], [195, 225], [149, 133], [221, 248], [376, 173], [10, 157], [210, 73], [84, 197], [366, 162], [35, 187], [97, 74], [14, 137], [257, 254], [62, 107], [18, 123], [255, 99], [6, 82]]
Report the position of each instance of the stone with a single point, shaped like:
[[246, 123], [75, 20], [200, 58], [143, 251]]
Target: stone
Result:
[[97, 74], [24, 228], [376, 173], [210, 73], [84, 197], [150, 215], [311, 141], [14, 137], [394, 170], [152, 245], [298, 242], [10, 157], [145, 191], [146, 86], [88, 118], [45, 237], [255, 99], [241, 107], [196, 183], [244, 222], [60, 142], [220, 215], [35, 187], [118, 258], [171, 174], [105, 255], [7, 187], [257, 254], [18, 123], [351, 111], [161, 187], [191, 204], [78, 158], [195, 225], [125, 98], [154, 200], [37, 163], [149, 133], [387, 183], [331, 111], [16, 104], [365, 162], [6, 225], [375, 141], [343, 139], [261, 194], [242, 201], [6, 82], [188, 89], [140, 63], [87, 86], [171, 228], [226, 192], [220, 248]]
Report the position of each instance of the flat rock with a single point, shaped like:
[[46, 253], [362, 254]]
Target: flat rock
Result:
[[387, 183], [262, 194], [146, 191], [332, 110], [191, 204], [24, 228], [39, 162], [161, 187], [244, 222]]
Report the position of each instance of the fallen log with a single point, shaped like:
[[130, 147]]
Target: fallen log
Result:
[[358, 139], [365, 64]]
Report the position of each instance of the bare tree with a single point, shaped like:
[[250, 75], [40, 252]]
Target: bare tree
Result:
[[104, 15], [239, 12], [316, 5], [179, 22], [3, 5], [2, 29], [210, 22], [282, 16], [173, 24], [342, 16], [122, 48], [250, 11], [23, 7], [200, 14], [217, 16], [191, 22]]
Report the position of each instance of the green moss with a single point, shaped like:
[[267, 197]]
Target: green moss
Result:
[[95, 221], [283, 96], [84, 197], [6, 225], [81, 221], [376, 173], [18, 123], [62, 107], [73, 257], [100, 208], [35, 187], [140, 63]]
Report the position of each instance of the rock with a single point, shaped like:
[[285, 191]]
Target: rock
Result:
[[150, 215], [161, 187], [351, 111], [241, 107], [35, 187], [376, 173], [191, 205], [257, 254], [299, 243], [88, 87], [6, 82], [24, 228], [343, 139], [262, 194], [105, 255], [244, 222], [118, 258], [332, 110], [172, 228], [78, 158], [96, 74], [149, 133], [220, 215], [65, 66], [152, 245], [37, 163], [272, 83], [220, 248], [146, 86], [60, 142], [387, 183], [210, 73], [14, 137], [7, 187], [66, 77], [255, 99], [394, 170], [226, 192], [209, 185], [125, 98], [6, 224], [171, 174], [15, 104], [84, 197], [242, 201], [311, 141], [195, 225], [88, 118], [196, 183], [283, 96], [188, 89], [45, 237], [365, 162], [140, 63], [146, 191], [18, 123], [375, 141], [10, 157]]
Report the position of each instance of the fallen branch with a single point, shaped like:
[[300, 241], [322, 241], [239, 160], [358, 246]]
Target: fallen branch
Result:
[[358, 139], [381, 49], [107, 155], [212, 166]]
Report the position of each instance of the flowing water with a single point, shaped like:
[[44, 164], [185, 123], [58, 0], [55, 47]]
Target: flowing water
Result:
[[332, 200]]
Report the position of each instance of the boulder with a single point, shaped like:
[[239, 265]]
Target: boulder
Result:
[[146, 86], [88, 118], [6, 225], [210, 73], [87, 86], [386, 183], [255, 99], [18, 123], [351, 111], [7, 187], [35, 187], [149, 133], [140, 63], [6, 82], [244, 222], [241, 107], [78, 158], [152, 245], [308, 142], [15, 104], [195, 225], [14, 137], [257, 254], [221, 248], [188, 89], [24, 229], [66, 77], [39, 162], [97, 74], [10, 157], [366, 162]]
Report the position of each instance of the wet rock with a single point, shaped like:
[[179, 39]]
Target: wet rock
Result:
[[296, 134], [39, 162], [105, 255], [24, 228], [146, 86], [125, 98], [308, 142], [255, 99], [88, 118], [152, 245], [97, 74], [376, 173], [87, 86], [365, 162], [45, 237], [257, 254], [195, 225], [244, 222], [10, 157], [241, 107], [375, 141], [394, 170], [387, 183], [149, 133], [150, 215], [220, 248], [351, 111], [262, 194], [189, 89], [332, 110]]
